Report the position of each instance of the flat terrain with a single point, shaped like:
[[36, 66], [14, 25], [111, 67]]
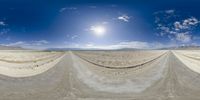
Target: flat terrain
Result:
[[100, 75]]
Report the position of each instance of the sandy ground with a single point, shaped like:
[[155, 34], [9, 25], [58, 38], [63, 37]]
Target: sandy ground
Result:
[[166, 78], [24, 64]]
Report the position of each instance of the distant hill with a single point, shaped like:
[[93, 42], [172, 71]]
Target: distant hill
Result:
[[129, 49], [183, 48], [62, 49], [10, 48], [66, 49]]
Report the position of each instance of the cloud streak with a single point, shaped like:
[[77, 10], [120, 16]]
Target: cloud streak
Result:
[[124, 18], [32, 44], [67, 8]]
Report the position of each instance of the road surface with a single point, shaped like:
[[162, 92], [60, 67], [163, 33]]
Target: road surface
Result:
[[166, 78]]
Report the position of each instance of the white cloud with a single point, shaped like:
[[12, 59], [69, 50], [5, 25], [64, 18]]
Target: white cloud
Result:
[[105, 22], [18, 43], [2, 23], [124, 18], [178, 25], [32, 44], [4, 29], [38, 43], [183, 37], [167, 13], [171, 11], [90, 45], [170, 24], [67, 8], [74, 37], [190, 21], [165, 29], [62, 9], [184, 26], [186, 23]]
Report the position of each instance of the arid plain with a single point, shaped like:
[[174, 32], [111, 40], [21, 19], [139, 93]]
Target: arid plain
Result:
[[100, 75]]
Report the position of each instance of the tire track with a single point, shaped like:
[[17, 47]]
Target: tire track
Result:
[[125, 67]]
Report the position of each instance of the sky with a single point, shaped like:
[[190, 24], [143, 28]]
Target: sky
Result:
[[99, 24]]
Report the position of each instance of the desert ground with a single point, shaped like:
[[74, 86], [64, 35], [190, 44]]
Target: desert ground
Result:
[[100, 75]]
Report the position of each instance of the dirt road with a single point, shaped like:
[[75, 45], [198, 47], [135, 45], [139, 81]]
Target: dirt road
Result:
[[166, 78]]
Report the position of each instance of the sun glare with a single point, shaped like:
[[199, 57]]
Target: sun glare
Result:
[[98, 30]]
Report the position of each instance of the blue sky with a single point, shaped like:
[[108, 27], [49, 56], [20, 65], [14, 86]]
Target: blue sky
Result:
[[76, 24]]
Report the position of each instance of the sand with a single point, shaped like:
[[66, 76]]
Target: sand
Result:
[[168, 77], [191, 62], [24, 64]]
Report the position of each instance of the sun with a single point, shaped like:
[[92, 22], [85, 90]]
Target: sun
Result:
[[98, 30]]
